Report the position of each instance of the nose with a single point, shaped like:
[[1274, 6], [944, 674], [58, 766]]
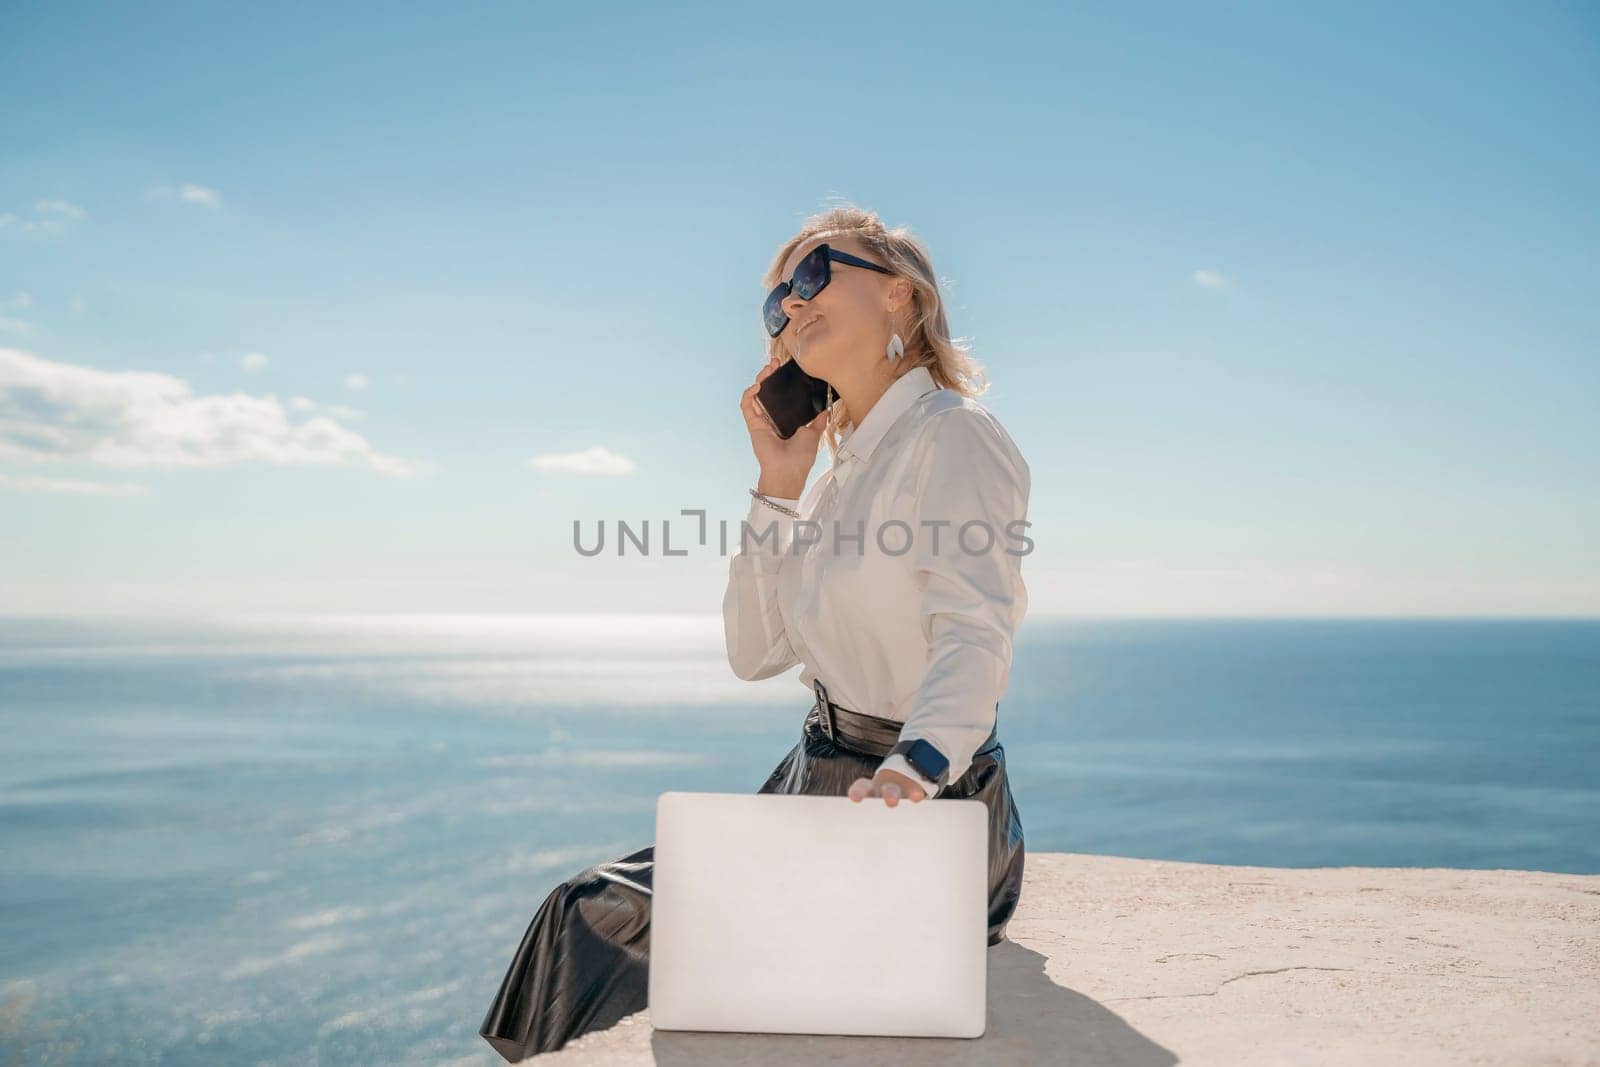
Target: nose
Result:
[[793, 305]]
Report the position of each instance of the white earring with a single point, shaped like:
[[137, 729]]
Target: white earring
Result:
[[896, 348]]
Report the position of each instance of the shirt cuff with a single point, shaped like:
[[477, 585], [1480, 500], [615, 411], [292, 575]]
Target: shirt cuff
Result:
[[760, 542], [787, 502], [898, 764]]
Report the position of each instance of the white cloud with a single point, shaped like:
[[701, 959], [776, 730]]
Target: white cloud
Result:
[[200, 194], [1211, 279], [16, 326], [56, 412], [64, 485], [326, 917], [47, 216], [355, 381], [338, 411], [253, 361], [60, 208], [21, 302], [592, 461], [189, 193]]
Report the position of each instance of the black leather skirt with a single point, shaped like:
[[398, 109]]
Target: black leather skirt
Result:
[[583, 964]]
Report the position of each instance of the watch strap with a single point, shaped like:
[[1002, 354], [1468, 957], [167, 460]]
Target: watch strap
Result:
[[924, 758]]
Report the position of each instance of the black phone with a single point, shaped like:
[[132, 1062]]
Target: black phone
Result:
[[792, 397]]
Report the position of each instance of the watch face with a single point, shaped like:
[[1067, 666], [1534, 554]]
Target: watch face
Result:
[[928, 760]]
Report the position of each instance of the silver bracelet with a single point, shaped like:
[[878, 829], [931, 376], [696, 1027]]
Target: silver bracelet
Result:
[[769, 502]]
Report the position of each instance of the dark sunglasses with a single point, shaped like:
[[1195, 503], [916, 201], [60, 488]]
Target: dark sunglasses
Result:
[[811, 276]]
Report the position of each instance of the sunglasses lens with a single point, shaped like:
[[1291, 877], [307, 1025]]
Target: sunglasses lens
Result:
[[810, 276], [772, 313], [812, 273]]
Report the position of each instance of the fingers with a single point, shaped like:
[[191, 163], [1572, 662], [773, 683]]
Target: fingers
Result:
[[891, 792], [771, 365], [755, 416]]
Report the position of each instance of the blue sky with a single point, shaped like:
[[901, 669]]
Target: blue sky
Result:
[[1292, 312]]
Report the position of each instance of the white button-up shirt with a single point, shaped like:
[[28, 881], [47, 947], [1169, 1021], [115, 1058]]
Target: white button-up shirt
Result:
[[901, 585]]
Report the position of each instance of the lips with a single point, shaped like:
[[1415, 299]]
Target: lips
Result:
[[809, 323]]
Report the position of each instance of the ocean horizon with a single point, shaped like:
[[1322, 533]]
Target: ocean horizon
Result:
[[292, 839]]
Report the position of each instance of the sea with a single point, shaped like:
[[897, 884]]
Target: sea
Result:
[[319, 840]]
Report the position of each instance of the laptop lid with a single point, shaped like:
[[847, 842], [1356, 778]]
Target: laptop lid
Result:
[[777, 913]]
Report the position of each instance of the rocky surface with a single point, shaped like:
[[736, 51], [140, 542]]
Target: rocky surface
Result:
[[1147, 962]]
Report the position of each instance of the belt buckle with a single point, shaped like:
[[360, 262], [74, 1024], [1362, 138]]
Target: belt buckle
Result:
[[824, 708]]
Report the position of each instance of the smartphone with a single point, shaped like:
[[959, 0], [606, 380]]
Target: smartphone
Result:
[[792, 397]]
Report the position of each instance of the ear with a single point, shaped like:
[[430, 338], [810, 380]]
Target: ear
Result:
[[900, 294]]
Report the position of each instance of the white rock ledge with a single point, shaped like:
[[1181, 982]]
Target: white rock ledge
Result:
[[1152, 962]]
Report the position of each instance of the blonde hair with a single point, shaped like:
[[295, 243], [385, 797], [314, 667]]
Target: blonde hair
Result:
[[929, 343]]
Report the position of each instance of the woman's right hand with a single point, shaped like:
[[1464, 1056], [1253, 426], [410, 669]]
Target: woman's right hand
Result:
[[784, 464]]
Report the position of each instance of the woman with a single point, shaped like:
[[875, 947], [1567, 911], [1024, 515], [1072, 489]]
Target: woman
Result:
[[895, 582]]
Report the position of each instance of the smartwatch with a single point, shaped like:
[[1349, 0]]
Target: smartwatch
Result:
[[925, 759]]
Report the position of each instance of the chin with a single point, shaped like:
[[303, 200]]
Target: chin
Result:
[[812, 364], [816, 363]]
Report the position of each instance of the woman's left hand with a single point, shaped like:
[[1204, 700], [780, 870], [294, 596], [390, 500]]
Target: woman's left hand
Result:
[[892, 786]]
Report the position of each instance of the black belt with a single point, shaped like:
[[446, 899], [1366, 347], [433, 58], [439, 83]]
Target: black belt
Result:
[[868, 733]]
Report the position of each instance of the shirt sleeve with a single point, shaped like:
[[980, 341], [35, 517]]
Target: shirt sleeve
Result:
[[899, 763], [758, 642], [973, 488]]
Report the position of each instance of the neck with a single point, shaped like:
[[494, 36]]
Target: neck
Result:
[[861, 388]]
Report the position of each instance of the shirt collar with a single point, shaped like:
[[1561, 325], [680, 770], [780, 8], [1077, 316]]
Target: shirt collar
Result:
[[896, 400]]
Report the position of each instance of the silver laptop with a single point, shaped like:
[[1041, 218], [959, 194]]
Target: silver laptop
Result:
[[816, 915]]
